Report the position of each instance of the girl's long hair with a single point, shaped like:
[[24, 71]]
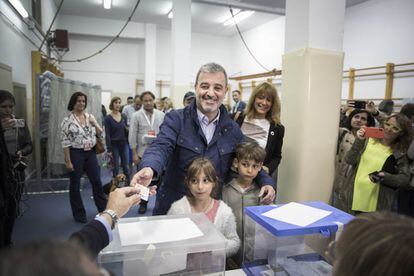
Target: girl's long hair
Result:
[[198, 165]]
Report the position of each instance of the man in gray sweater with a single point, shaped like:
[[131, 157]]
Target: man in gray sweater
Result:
[[144, 127]]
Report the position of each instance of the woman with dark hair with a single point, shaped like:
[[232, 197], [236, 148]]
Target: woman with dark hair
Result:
[[340, 193], [116, 137], [79, 132], [260, 121], [381, 166], [19, 146]]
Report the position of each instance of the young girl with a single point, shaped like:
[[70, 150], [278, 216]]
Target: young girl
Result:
[[201, 181]]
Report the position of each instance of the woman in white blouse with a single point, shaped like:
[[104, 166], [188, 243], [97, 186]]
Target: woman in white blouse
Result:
[[79, 133], [260, 121]]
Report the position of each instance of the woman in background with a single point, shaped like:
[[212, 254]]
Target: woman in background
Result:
[[261, 122], [79, 131], [168, 105], [159, 104], [116, 137], [343, 172], [19, 145], [381, 166]]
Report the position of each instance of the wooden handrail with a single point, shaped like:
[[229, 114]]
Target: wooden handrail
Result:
[[374, 99], [380, 67], [271, 73], [404, 64], [404, 71]]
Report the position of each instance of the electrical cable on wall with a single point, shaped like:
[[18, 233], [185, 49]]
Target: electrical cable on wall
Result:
[[11, 23], [51, 24], [20, 31], [109, 44], [244, 42]]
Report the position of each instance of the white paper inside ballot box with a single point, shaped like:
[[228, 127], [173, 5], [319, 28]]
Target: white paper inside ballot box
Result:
[[158, 231], [157, 260]]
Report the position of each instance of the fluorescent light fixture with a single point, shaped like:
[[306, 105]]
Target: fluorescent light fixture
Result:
[[107, 4], [19, 8], [238, 18], [170, 14]]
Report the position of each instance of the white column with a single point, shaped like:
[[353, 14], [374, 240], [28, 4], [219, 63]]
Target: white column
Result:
[[312, 82], [150, 58], [181, 50]]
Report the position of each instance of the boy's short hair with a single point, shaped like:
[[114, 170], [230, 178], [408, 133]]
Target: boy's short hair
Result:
[[250, 151]]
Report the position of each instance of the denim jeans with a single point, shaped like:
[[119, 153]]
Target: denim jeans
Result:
[[85, 161], [120, 150]]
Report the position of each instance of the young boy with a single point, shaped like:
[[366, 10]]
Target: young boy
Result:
[[243, 191]]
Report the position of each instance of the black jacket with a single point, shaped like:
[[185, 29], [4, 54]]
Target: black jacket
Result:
[[93, 237], [273, 146]]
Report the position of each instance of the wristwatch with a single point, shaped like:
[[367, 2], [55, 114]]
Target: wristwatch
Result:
[[112, 214]]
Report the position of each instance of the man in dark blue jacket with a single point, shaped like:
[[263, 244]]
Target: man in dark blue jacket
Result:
[[203, 128]]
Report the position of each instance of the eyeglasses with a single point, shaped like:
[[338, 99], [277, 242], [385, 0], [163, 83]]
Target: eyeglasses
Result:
[[393, 128]]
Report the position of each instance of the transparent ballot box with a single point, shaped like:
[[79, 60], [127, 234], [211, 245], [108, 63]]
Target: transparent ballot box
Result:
[[165, 245], [282, 242]]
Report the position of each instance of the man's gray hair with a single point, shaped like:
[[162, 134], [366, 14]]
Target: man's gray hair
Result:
[[211, 68]]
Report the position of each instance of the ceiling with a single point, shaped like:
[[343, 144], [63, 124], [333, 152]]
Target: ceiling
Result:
[[207, 15]]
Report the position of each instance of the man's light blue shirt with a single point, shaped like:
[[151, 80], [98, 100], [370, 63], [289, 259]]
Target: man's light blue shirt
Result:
[[129, 110], [208, 128]]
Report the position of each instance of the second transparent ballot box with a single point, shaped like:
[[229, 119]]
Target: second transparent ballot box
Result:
[[292, 240]]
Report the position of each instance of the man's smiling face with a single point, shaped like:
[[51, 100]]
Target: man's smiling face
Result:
[[210, 91]]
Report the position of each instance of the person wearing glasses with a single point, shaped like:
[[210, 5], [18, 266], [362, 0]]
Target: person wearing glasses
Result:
[[381, 165]]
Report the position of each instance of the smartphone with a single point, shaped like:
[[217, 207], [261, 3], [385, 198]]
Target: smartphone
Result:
[[19, 123], [357, 104], [374, 132], [374, 177]]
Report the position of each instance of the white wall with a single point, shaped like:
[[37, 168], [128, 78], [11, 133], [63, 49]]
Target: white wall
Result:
[[377, 32], [116, 69], [209, 48], [266, 42], [15, 50], [101, 27]]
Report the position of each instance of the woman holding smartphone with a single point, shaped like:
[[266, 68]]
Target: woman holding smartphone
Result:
[[19, 145], [260, 121], [381, 165], [343, 173]]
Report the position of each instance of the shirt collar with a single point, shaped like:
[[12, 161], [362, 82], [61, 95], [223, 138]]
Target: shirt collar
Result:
[[203, 119]]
